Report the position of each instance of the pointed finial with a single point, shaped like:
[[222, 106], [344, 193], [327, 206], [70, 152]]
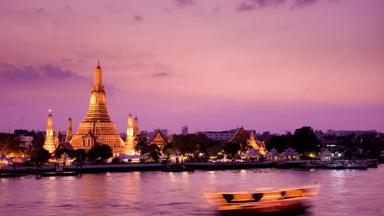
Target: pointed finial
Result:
[[50, 111], [98, 63]]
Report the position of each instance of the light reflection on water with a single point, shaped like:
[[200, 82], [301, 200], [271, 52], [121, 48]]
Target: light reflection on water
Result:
[[342, 192]]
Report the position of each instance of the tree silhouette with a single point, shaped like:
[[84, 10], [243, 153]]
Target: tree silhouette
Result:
[[39, 156], [99, 153]]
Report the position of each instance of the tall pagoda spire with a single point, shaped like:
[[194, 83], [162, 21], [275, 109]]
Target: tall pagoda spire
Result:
[[97, 110], [97, 118], [49, 143]]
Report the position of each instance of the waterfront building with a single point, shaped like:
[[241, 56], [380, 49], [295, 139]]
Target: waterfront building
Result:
[[273, 155], [97, 126], [49, 143], [253, 154], [228, 135], [290, 154], [327, 155], [184, 130], [341, 133], [240, 136], [218, 135], [27, 141], [25, 137]]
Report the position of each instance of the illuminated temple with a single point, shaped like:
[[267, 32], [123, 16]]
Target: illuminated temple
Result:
[[97, 125], [49, 143]]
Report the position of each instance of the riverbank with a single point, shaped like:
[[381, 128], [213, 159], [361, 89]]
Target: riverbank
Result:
[[14, 171]]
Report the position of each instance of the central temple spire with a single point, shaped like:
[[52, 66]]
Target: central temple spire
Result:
[[97, 126], [98, 81]]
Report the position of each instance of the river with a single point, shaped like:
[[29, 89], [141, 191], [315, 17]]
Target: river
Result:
[[342, 192]]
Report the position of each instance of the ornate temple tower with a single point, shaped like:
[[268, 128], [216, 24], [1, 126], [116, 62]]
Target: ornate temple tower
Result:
[[136, 129], [97, 126], [57, 138], [129, 141], [68, 137], [49, 143]]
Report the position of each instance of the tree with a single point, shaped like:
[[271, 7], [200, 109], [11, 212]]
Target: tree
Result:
[[39, 156], [231, 148], [80, 155], [370, 146], [153, 151], [185, 143], [38, 139], [10, 144], [168, 149], [99, 153], [141, 144], [279, 142], [193, 144], [304, 141], [214, 149], [63, 148]]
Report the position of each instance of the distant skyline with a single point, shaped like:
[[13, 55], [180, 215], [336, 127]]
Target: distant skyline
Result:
[[272, 65]]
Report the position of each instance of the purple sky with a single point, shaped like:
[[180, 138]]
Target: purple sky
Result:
[[263, 64]]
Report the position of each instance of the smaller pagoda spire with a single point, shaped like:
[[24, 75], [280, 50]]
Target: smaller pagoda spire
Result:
[[136, 126], [68, 136], [130, 137]]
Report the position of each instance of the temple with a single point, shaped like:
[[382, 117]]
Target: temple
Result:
[[97, 126], [49, 143], [260, 146], [158, 139]]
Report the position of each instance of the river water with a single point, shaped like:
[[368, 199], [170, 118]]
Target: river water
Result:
[[342, 192]]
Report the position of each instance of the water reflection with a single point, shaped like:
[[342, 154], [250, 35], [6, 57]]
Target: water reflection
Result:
[[342, 192]]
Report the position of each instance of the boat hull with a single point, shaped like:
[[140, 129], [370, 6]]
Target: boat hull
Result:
[[291, 201], [275, 208]]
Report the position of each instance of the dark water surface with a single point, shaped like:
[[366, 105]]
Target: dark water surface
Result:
[[342, 192]]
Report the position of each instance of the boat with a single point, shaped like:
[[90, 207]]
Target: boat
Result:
[[11, 175], [264, 202], [60, 173], [341, 164]]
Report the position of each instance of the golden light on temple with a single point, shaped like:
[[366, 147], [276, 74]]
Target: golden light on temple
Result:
[[97, 125], [49, 142], [130, 136], [260, 146]]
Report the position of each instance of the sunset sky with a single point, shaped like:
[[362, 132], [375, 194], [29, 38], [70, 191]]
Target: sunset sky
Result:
[[212, 65]]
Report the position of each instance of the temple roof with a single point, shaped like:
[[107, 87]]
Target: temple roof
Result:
[[158, 139], [239, 134]]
